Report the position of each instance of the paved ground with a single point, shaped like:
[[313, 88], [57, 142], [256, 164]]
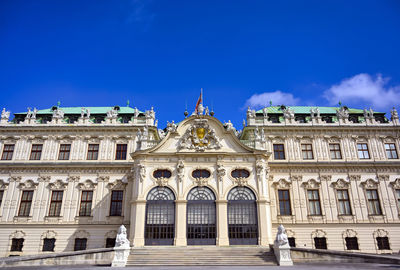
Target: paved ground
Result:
[[314, 266]]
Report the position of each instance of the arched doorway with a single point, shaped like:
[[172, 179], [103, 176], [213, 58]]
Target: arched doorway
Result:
[[201, 217], [160, 217], [242, 217]]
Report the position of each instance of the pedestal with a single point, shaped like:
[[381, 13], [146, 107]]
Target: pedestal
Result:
[[120, 256], [282, 254]]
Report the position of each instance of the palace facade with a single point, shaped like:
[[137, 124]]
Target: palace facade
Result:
[[69, 177]]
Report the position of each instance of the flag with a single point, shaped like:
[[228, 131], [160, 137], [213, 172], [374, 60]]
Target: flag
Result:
[[199, 101]]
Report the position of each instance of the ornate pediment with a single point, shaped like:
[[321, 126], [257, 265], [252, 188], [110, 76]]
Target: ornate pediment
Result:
[[200, 136]]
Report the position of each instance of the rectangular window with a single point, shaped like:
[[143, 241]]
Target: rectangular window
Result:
[[55, 203], [110, 242], [8, 151], [284, 202], [26, 202], [398, 197], [17, 244], [86, 203], [320, 243], [93, 152], [65, 150], [116, 203], [36, 151], [121, 152], [313, 202], [279, 151], [292, 241], [391, 152], [334, 149], [344, 202], [363, 151], [383, 243], [351, 243], [374, 207], [1, 196], [306, 150], [80, 244], [49, 244]]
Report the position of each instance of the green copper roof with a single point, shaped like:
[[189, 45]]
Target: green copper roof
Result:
[[306, 109], [93, 110]]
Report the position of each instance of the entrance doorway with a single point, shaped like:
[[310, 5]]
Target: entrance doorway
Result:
[[242, 217], [160, 217], [201, 217]]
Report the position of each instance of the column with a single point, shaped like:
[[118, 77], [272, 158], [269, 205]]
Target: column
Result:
[[222, 223], [180, 222], [138, 217], [265, 224]]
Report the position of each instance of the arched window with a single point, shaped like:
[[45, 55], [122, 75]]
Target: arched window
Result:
[[160, 217], [162, 174], [242, 217], [201, 174], [201, 217], [240, 173]]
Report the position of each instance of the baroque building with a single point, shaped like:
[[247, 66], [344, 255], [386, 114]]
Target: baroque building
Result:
[[69, 177]]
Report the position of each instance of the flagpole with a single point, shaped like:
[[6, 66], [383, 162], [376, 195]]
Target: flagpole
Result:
[[202, 96]]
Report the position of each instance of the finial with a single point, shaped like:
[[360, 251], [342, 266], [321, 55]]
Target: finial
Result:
[[58, 104], [127, 103], [340, 103], [212, 113], [186, 113], [270, 103]]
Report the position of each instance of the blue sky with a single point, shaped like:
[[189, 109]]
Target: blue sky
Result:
[[160, 53]]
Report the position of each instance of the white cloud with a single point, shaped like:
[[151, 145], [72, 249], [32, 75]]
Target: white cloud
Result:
[[363, 89], [277, 98]]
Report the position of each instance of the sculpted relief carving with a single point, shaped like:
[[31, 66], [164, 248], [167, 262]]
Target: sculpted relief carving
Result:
[[200, 136]]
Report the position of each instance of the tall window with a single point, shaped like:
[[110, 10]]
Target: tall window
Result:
[[8, 151], [86, 203], [26, 202], [49, 244], [55, 203], [121, 152], [65, 150], [398, 197], [351, 243], [1, 196], [344, 202], [116, 202], [17, 244], [313, 202], [391, 152], [93, 152], [80, 244], [284, 202], [334, 149], [363, 151], [383, 242], [374, 205], [279, 151], [36, 151], [307, 152]]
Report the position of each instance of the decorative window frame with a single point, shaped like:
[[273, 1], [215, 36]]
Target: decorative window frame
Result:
[[58, 185], [119, 184], [396, 186], [87, 185], [59, 143], [109, 234], [313, 184], [373, 184], [284, 184], [381, 233], [15, 234], [241, 181], [25, 186], [350, 233], [8, 141], [81, 234], [201, 181], [48, 234], [319, 233], [342, 183], [162, 181]]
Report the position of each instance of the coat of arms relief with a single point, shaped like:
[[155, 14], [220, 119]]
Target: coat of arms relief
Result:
[[200, 136]]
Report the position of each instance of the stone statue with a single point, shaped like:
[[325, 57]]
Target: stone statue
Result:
[[34, 113], [229, 126], [29, 114], [262, 135], [393, 113], [152, 113], [312, 112], [281, 237], [200, 109], [244, 123], [88, 113], [122, 238], [288, 113], [58, 114], [112, 113], [135, 112], [207, 111], [171, 127], [82, 112], [342, 113], [145, 133], [180, 168], [156, 123], [161, 133], [85, 111], [265, 112], [5, 114], [257, 134]]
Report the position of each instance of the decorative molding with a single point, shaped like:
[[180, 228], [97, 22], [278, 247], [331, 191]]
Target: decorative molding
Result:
[[282, 184], [380, 233], [81, 234], [396, 183], [318, 233], [3, 184], [180, 170], [370, 183], [311, 184], [87, 185], [200, 136], [341, 184], [29, 184], [58, 185], [221, 172], [349, 233]]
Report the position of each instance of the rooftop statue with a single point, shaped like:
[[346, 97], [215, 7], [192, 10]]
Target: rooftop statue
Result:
[[5, 114], [288, 113], [135, 112]]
